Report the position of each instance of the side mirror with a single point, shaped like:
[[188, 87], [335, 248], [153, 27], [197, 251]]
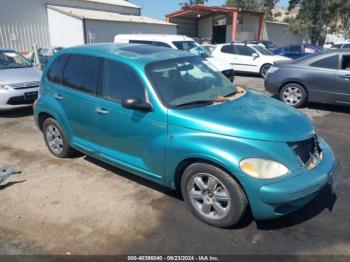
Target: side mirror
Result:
[[136, 104], [255, 55]]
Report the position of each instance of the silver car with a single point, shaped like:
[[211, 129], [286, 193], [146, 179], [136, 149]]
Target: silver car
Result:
[[19, 80]]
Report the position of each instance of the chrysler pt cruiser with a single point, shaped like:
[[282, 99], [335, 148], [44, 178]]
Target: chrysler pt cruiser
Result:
[[166, 116]]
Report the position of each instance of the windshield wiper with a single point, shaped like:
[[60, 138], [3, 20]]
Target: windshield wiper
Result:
[[199, 102], [231, 94]]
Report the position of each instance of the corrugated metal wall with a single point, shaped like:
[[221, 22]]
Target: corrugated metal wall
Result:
[[104, 31], [25, 22], [186, 26]]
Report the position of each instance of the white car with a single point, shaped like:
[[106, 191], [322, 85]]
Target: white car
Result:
[[249, 58], [178, 42], [19, 80]]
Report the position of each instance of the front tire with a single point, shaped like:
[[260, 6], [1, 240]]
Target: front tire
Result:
[[213, 195], [56, 139], [294, 95]]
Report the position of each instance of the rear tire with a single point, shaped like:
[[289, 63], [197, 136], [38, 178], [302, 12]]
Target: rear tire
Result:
[[56, 140], [293, 94], [213, 195]]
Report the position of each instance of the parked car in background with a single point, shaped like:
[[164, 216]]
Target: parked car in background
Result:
[[341, 45], [167, 116], [328, 45], [19, 80], [209, 48], [181, 43], [297, 51], [322, 77], [45, 54], [246, 57], [265, 43]]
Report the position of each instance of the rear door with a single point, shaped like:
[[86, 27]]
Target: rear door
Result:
[[227, 53], [319, 79], [77, 95], [342, 81]]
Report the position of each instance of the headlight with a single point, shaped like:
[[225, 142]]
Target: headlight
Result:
[[272, 69], [4, 87], [263, 168]]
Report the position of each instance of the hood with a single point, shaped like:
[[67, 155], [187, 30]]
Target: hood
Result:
[[20, 75], [252, 116], [220, 64]]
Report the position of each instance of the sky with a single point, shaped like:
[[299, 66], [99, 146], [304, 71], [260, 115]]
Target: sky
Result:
[[159, 8]]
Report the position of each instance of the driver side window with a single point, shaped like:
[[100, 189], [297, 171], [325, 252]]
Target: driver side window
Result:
[[121, 82], [244, 50]]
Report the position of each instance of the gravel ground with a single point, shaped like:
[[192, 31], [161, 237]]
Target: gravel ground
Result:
[[82, 206]]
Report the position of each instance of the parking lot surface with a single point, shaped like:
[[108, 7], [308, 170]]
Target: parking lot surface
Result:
[[82, 206]]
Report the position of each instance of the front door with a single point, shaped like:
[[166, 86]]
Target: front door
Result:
[[132, 139], [245, 59], [342, 81]]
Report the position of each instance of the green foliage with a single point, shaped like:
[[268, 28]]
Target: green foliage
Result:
[[193, 2], [316, 15]]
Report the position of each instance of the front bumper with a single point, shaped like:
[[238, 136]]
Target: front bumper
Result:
[[275, 199], [272, 84], [17, 98]]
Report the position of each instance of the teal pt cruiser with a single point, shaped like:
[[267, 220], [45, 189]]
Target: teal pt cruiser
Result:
[[167, 116]]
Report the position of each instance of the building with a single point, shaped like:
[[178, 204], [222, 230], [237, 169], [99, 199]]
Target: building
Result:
[[219, 24], [71, 22]]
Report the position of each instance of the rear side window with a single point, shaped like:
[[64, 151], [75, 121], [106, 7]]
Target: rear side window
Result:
[[228, 49], [296, 48], [161, 44], [345, 63], [244, 50], [120, 82], [331, 62], [142, 42], [54, 74], [82, 73]]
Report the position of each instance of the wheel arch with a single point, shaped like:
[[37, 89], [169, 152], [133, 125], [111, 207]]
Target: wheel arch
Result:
[[181, 167], [42, 116]]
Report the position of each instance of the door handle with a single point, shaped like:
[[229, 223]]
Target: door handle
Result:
[[101, 111], [58, 96], [347, 77]]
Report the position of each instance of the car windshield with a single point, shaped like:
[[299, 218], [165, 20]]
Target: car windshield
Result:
[[11, 59], [263, 50], [192, 47], [188, 81]]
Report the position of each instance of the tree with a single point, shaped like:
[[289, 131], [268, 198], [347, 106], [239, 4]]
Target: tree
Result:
[[316, 15], [193, 2]]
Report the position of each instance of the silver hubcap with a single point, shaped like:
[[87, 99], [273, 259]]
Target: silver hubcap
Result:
[[54, 139], [264, 70], [292, 95], [209, 196]]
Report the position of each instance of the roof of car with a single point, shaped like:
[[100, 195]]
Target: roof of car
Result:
[[140, 54], [154, 37], [6, 49]]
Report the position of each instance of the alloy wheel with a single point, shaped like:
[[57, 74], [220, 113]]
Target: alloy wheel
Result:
[[209, 196], [54, 139], [292, 95]]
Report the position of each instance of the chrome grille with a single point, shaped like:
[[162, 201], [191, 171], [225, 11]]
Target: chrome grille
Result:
[[25, 85], [308, 151]]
